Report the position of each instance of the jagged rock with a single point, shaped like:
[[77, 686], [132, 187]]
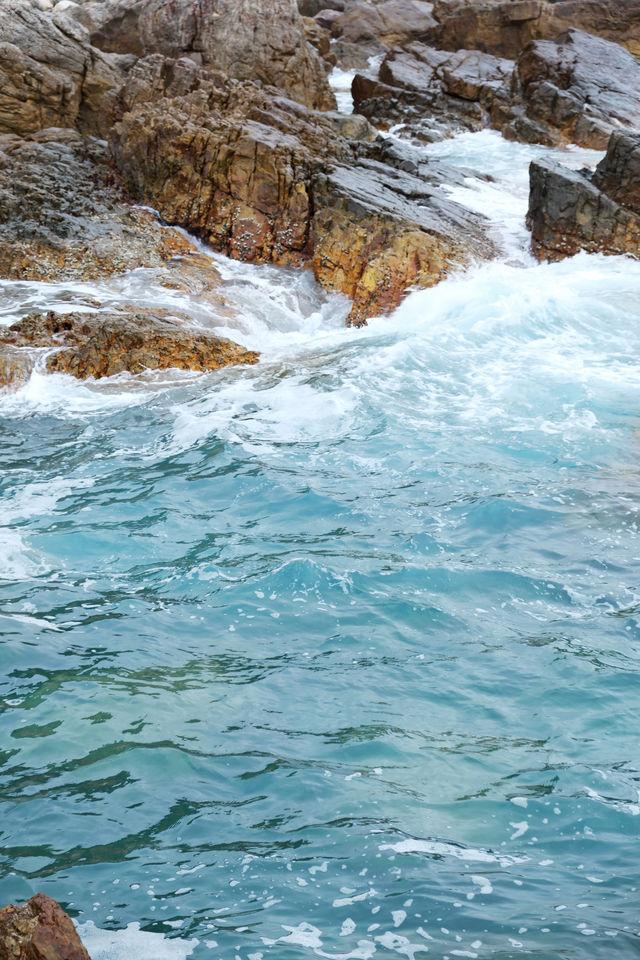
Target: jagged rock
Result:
[[600, 212], [580, 85], [260, 40], [504, 27], [104, 344], [263, 179], [62, 217], [309, 8], [434, 89], [50, 75], [39, 929]]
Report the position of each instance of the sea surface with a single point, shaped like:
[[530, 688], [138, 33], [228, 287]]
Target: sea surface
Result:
[[335, 656]]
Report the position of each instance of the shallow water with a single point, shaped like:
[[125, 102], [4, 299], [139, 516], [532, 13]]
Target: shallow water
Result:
[[336, 655]]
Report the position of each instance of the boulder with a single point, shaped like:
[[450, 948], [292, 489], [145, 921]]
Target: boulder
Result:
[[38, 929], [598, 212], [259, 40], [104, 344], [434, 90], [309, 8], [392, 23], [263, 179], [62, 216], [581, 86], [50, 75]]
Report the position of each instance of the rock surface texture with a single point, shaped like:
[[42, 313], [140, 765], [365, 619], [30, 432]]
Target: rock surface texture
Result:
[[262, 179], [39, 929], [103, 344], [260, 40], [600, 212], [50, 75]]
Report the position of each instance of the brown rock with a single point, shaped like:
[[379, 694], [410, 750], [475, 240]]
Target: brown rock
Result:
[[50, 75], [129, 340], [39, 929], [260, 40], [392, 23], [571, 211], [262, 179]]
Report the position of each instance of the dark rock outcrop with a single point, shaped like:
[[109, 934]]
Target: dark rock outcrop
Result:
[[104, 344], [39, 929], [50, 75], [262, 179], [600, 212]]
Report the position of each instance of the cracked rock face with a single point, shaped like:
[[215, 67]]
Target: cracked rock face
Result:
[[50, 75]]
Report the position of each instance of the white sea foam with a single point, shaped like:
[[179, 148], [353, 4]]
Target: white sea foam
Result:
[[442, 848], [132, 943]]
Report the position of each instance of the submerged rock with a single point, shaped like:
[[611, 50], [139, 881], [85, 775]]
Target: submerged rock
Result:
[[598, 212], [50, 75], [263, 179], [39, 929], [103, 344]]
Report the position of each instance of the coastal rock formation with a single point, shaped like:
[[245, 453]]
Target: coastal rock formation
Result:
[[262, 179], [104, 344], [259, 40], [504, 27], [39, 929], [63, 218], [600, 212], [580, 85], [437, 91], [50, 75]]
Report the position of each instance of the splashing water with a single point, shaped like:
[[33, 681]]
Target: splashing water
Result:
[[336, 655]]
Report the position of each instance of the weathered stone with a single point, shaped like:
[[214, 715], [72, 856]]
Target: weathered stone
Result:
[[39, 929], [63, 218], [129, 340], [580, 85], [393, 22], [449, 91], [50, 75], [504, 27], [260, 40], [262, 179], [309, 8], [571, 211]]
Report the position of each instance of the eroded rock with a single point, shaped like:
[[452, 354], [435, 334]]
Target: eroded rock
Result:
[[50, 75], [98, 345], [38, 929]]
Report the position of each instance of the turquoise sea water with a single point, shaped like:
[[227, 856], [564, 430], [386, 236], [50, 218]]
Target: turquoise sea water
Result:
[[337, 655]]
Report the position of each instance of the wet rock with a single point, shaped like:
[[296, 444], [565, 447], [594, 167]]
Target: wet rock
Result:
[[62, 217], [434, 89], [600, 212], [260, 40], [309, 8], [263, 179], [39, 929], [581, 86], [104, 344], [50, 75]]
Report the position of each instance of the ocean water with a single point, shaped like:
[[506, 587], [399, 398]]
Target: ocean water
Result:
[[337, 655]]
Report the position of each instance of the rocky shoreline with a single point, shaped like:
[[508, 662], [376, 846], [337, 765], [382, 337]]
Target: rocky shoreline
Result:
[[219, 115]]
